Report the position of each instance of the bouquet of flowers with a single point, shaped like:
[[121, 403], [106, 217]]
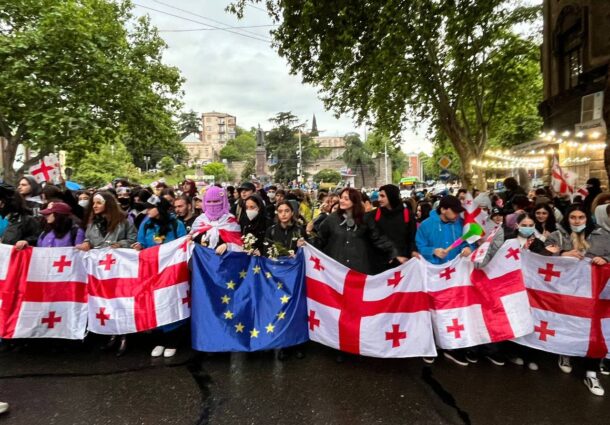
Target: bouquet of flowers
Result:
[[249, 243], [158, 239]]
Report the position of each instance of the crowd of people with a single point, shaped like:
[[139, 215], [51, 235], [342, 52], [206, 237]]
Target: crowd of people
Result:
[[369, 233]]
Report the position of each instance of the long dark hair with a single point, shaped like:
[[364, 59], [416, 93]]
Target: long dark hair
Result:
[[113, 214], [425, 208], [289, 205], [62, 225], [551, 223], [565, 223], [164, 220], [357, 208]]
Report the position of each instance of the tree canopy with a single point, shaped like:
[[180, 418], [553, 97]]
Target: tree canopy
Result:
[[98, 168], [241, 148], [77, 74], [188, 123], [457, 64]]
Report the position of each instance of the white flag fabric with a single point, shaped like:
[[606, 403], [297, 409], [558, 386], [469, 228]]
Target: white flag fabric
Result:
[[43, 293], [131, 291], [386, 315], [570, 301], [478, 306]]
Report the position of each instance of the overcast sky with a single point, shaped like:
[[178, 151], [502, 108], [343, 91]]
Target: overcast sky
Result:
[[232, 73]]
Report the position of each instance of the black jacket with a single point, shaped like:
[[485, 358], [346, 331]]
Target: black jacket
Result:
[[286, 237], [537, 246], [352, 247], [256, 227], [21, 228], [399, 227]]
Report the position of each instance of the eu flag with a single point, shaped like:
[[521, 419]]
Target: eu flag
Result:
[[247, 303]]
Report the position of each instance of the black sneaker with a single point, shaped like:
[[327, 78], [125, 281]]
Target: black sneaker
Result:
[[471, 357], [456, 357], [496, 359]]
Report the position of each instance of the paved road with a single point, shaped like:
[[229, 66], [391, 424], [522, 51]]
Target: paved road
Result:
[[81, 385]]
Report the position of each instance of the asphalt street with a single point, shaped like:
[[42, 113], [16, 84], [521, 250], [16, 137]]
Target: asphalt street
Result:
[[75, 383]]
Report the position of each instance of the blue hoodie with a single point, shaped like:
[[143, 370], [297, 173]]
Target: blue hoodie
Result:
[[434, 233]]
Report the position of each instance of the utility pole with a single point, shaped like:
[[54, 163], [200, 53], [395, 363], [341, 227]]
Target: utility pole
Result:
[[300, 161]]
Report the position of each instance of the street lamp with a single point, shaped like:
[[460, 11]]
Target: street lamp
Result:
[[147, 160]]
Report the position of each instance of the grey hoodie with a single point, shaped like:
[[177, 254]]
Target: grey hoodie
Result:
[[600, 237]]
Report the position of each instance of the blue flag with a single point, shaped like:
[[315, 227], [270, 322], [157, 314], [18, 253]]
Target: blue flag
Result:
[[247, 303]]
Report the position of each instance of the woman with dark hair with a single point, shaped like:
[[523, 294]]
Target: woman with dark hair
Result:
[[138, 209], [255, 223], [423, 211], [512, 190], [30, 190], [286, 230], [59, 228], [572, 241], [347, 238], [544, 217], [160, 225], [527, 235], [20, 228], [189, 188]]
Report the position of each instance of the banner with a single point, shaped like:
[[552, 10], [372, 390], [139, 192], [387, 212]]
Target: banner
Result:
[[386, 315], [570, 302], [43, 293], [247, 303]]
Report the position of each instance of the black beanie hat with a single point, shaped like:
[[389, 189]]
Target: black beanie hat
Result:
[[393, 194]]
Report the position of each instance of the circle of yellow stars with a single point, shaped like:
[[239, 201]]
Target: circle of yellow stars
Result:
[[229, 315]]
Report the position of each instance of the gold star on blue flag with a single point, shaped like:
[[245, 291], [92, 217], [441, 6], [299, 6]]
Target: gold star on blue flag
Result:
[[259, 313]]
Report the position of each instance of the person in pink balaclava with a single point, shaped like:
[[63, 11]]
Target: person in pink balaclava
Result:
[[217, 228]]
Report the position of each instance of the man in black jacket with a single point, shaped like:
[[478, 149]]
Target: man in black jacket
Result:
[[396, 222]]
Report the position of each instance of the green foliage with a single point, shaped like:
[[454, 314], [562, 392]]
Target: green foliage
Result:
[[188, 123], [110, 161], [457, 64], [249, 169], [166, 165], [356, 155], [218, 170], [376, 144], [240, 148], [78, 73], [327, 175], [282, 143]]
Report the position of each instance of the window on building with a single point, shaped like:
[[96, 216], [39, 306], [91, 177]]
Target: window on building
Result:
[[569, 46], [209, 137], [208, 119]]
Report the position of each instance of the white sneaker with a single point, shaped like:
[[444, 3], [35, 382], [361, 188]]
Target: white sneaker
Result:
[[532, 366], [3, 407], [516, 360], [603, 368], [593, 384], [428, 360], [564, 364], [157, 351], [169, 352]]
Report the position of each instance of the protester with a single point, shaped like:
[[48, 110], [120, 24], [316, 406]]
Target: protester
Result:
[[286, 231], [571, 241], [59, 229], [217, 228], [594, 188], [497, 218], [159, 227], [395, 222], [30, 190], [520, 204], [138, 210], [189, 188], [107, 227], [243, 191], [20, 229], [183, 207], [123, 195], [324, 211], [545, 221], [255, 223], [423, 211], [84, 198], [512, 190], [347, 238], [599, 239]]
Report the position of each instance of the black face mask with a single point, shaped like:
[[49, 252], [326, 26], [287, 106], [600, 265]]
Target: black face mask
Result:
[[125, 202], [139, 206]]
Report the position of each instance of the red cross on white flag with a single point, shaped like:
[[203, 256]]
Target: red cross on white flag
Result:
[[47, 169], [131, 291], [386, 315], [43, 293]]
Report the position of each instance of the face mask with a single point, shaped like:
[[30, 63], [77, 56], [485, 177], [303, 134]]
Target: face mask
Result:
[[578, 229], [251, 214], [138, 206], [83, 203], [124, 202], [527, 231], [271, 195]]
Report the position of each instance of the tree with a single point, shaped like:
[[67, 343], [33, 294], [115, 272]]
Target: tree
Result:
[[356, 156], [377, 142], [188, 123], [240, 148], [327, 175], [458, 64], [110, 161], [166, 164], [249, 169], [218, 170], [282, 143], [78, 74]]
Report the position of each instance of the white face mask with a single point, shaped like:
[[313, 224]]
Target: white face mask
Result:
[[251, 214], [83, 203], [271, 195]]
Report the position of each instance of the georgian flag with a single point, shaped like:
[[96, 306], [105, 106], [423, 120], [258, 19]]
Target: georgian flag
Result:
[[478, 306], [43, 293], [386, 315], [131, 291], [570, 301]]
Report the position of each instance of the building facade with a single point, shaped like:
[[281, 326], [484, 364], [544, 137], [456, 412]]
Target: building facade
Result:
[[217, 128], [575, 66], [199, 151]]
